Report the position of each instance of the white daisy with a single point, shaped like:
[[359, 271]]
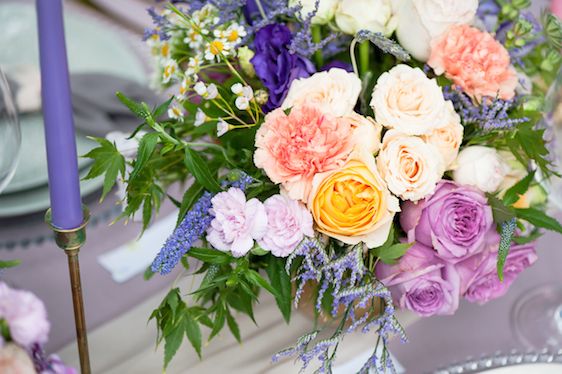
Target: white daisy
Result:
[[170, 68], [200, 118]]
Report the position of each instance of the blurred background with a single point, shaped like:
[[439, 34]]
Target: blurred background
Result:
[[106, 54]]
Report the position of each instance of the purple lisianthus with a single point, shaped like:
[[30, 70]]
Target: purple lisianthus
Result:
[[338, 64], [454, 221], [479, 277], [275, 65], [422, 283]]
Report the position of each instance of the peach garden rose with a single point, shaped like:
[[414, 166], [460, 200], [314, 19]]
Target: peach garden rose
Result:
[[352, 204]]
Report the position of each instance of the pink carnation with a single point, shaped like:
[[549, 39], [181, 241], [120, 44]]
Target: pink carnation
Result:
[[293, 148], [25, 314], [237, 222], [288, 223], [475, 61]]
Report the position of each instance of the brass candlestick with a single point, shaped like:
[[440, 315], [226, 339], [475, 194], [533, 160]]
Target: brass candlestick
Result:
[[71, 240]]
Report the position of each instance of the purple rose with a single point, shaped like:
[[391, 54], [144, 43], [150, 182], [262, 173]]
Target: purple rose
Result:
[[454, 221], [275, 65], [422, 282], [479, 277]]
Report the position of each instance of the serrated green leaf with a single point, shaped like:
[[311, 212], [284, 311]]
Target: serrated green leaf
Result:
[[500, 212], [539, 219], [513, 194], [147, 145], [9, 264], [200, 171], [172, 342], [527, 239], [137, 108], [193, 332], [255, 278], [211, 256], [219, 321], [146, 212], [242, 303], [507, 230], [233, 326], [161, 109], [281, 281], [106, 160]]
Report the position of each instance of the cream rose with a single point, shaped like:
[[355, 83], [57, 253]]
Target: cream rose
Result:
[[480, 167], [335, 91], [353, 204], [419, 21], [411, 167], [372, 15], [405, 99], [448, 138], [366, 132], [324, 14]]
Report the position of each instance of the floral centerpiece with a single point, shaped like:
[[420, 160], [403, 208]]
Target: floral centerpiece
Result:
[[386, 154]]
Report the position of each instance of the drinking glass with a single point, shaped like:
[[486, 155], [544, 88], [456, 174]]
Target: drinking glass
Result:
[[10, 135]]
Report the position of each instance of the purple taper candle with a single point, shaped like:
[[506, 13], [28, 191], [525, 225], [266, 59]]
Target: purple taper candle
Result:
[[64, 186]]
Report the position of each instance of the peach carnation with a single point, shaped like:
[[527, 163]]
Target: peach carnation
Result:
[[293, 148], [475, 61]]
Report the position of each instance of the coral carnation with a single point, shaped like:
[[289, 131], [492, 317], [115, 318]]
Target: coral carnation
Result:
[[293, 148], [475, 61]]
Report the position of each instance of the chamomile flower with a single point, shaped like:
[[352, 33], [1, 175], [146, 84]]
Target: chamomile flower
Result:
[[194, 39], [184, 87], [216, 48], [176, 111], [200, 118], [170, 69], [207, 92], [245, 95], [235, 33], [165, 50], [222, 127], [194, 65]]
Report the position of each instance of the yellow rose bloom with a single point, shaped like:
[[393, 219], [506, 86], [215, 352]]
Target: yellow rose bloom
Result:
[[352, 204]]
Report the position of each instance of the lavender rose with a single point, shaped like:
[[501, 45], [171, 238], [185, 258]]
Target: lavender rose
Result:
[[454, 220], [479, 277], [288, 222], [422, 282], [275, 65], [25, 315]]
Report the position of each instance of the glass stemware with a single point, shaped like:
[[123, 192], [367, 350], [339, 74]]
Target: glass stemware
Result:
[[10, 135]]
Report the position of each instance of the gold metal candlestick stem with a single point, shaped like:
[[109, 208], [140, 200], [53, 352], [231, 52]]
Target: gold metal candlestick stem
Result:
[[71, 241]]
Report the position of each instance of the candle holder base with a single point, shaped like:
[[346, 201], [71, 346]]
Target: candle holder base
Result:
[[71, 240]]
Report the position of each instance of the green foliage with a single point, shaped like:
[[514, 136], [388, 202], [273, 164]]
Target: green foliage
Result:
[[513, 194], [538, 218], [108, 161], [281, 282], [5, 264], [391, 250], [200, 171]]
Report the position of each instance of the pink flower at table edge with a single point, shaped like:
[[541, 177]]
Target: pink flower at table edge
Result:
[[14, 359], [475, 61], [428, 221], [478, 274], [237, 222], [422, 283], [288, 223], [25, 315]]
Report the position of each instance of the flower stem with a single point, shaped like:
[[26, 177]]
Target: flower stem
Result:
[[352, 56], [260, 8], [364, 56], [317, 38]]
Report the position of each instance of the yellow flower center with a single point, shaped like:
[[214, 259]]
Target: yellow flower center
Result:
[[165, 51], [216, 47], [233, 36]]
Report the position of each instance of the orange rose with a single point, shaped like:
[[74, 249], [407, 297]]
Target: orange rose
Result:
[[352, 204]]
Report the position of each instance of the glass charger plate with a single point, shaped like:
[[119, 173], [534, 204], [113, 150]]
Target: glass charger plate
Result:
[[514, 363], [93, 44]]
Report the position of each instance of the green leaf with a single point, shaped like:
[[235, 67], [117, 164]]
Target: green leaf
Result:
[[137, 108], [253, 277], [189, 198], [508, 228], [281, 281], [500, 211], [529, 238], [513, 194], [200, 171], [148, 273], [147, 145], [172, 342], [242, 302], [539, 219], [161, 109], [9, 264], [146, 212], [211, 256], [233, 326], [193, 332], [219, 321], [390, 255], [106, 160]]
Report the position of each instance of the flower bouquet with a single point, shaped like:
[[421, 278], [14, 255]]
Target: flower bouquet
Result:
[[385, 154]]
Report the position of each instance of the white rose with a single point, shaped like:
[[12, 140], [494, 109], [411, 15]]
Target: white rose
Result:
[[419, 21], [366, 132], [372, 15], [480, 167], [411, 167], [405, 99], [324, 14], [448, 138], [335, 91]]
